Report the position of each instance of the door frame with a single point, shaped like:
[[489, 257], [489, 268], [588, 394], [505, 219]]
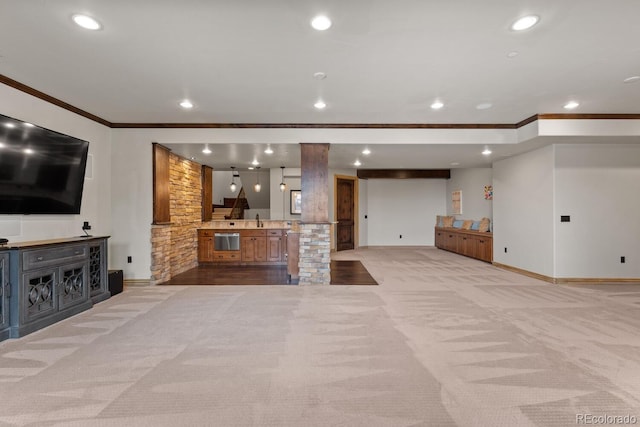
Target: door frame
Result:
[[356, 210]]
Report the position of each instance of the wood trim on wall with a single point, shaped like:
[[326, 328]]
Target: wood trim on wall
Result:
[[314, 182], [161, 181], [588, 116], [593, 281], [404, 173], [51, 100], [313, 125], [524, 272], [207, 193], [116, 125], [566, 280]]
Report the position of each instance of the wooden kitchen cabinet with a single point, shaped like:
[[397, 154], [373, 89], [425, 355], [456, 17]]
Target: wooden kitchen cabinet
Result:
[[205, 246], [253, 245], [275, 245], [257, 246]]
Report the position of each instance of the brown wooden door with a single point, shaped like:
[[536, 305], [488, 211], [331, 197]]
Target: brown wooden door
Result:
[[345, 214]]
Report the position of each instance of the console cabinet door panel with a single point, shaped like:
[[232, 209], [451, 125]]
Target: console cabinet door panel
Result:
[[39, 298], [73, 285], [4, 292]]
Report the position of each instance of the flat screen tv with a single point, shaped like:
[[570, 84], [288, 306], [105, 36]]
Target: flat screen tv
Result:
[[41, 171]]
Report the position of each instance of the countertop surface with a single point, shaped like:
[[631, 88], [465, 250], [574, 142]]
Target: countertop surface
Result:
[[38, 243]]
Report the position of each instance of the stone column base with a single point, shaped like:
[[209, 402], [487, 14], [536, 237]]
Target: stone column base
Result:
[[315, 254]]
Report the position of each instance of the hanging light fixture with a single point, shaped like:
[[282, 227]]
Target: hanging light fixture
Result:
[[233, 186], [283, 186], [257, 186]]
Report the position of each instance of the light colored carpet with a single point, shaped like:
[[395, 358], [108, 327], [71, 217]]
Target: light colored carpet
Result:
[[443, 341]]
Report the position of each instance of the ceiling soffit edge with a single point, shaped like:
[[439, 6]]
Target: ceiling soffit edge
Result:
[[55, 101]]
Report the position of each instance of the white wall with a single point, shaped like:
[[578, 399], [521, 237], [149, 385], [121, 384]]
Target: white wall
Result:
[[523, 214], [599, 187], [96, 197], [261, 199], [363, 187], [280, 201], [221, 182], [406, 207], [132, 205], [471, 182]]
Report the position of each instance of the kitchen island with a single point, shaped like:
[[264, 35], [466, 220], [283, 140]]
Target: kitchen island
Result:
[[244, 242]]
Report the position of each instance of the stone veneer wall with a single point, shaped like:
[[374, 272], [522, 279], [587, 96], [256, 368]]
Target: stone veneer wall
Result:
[[315, 254], [174, 247]]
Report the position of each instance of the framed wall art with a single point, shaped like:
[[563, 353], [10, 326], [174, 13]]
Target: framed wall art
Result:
[[296, 202]]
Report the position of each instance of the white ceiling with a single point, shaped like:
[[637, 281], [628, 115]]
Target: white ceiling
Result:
[[386, 62]]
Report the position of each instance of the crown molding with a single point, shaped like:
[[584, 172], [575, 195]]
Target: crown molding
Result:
[[55, 101]]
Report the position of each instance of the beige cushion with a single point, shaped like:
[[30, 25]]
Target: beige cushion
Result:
[[447, 221], [484, 224], [466, 225]]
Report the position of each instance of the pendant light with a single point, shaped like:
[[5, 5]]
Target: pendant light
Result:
[[257, 186], [283, 186], [233, 186]]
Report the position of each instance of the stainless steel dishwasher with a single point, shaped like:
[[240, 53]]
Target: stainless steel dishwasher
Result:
[[226, 241]]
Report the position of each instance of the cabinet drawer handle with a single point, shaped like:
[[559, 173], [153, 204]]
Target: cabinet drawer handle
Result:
[[39, 258]]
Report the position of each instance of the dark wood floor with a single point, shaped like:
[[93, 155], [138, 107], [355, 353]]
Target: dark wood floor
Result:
[[342, 273]]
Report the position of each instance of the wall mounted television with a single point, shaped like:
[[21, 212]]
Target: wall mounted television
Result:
[[41, 171]]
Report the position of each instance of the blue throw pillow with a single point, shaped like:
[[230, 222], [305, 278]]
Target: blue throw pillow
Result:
[[457, 223], [475, 225]]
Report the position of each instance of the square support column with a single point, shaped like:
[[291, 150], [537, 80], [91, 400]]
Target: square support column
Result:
[[315, 238]]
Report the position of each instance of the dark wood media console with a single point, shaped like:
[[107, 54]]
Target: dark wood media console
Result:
[[43, 282]]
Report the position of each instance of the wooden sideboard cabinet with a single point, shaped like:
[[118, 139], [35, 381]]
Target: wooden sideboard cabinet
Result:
[[474, 244], [50, 281]]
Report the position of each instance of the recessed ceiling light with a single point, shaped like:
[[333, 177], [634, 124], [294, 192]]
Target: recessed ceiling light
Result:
[[437, 105], [486, 152], [255, 162], [27, 151], [86, 22], [321, 23], [251, 168], [1, 144], [268, 150], [455, 163], [525, 23], [186, 104], [10, 125], [320, 105], [484, 106], [319, 75], [571, 105], [357, 163], [206, 150], [631, 79], [512, 54], [366, 151]]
